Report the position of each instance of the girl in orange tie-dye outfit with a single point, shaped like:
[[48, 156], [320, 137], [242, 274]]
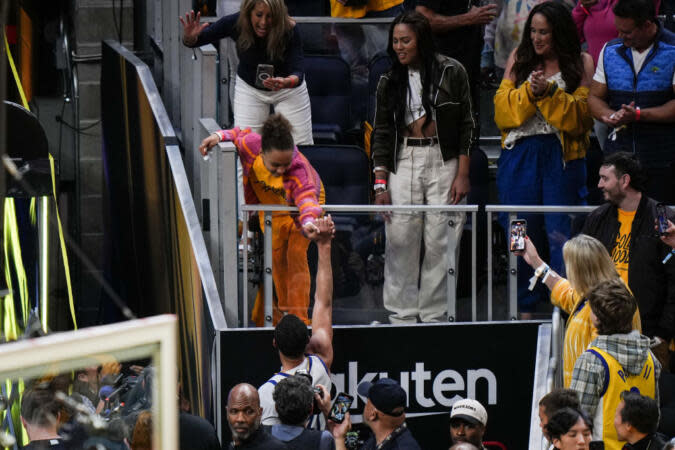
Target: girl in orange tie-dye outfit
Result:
[[275, 172]]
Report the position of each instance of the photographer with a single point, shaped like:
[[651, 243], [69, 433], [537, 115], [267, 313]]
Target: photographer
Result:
[[294, 400]]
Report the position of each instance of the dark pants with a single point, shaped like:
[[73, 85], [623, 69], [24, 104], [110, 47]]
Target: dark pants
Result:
[[532, 173]]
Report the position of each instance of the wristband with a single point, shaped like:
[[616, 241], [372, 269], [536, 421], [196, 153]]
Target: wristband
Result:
[[548, 272], [541, 270], [379, 186], [588, 13], [380, 181], [637, 113]]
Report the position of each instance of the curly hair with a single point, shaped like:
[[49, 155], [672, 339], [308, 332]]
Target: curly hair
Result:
[[293, 400], [279, 34], [426, 50], [276, 134], [566, 46]]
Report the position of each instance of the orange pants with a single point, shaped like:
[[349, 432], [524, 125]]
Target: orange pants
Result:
[[290, 272]]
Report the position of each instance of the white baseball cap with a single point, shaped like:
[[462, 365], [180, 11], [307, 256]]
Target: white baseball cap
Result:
[[470, 410]]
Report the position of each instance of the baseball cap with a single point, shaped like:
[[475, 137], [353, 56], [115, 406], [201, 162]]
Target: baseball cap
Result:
[[470, 410], [386, 394]]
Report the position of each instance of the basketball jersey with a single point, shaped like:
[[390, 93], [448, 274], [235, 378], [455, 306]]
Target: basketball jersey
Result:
[[616, 381], [320, 375]]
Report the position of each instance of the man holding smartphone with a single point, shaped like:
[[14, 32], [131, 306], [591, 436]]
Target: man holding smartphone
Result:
[[625, 226]]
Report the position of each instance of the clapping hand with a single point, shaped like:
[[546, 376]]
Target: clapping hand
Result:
[[538, 83]]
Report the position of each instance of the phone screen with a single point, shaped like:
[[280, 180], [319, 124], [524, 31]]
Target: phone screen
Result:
[[662, 218], [517, 235], [263, 72], [340, 407]]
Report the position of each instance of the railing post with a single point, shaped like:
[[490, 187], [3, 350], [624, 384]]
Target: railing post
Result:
[[452, 267], [513, 278], [202, 104], [489, 264], [269, 281], [219, 226], [228, 224], [474, 262], [244, 269]]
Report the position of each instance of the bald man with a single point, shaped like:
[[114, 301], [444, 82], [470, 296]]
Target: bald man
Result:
[[243, 416]]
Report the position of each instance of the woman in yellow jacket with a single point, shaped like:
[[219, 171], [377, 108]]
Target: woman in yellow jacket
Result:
[[588, 264], [541, 109]]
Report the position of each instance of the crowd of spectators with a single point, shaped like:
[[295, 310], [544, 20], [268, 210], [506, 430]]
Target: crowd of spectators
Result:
[[566, 70]]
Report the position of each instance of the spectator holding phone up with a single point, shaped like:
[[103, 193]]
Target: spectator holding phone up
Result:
[[270, 68], [587, 263]]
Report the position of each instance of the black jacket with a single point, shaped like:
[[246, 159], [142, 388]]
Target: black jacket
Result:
[[451, 101], [652, 282], [259, 440], [649, 442]]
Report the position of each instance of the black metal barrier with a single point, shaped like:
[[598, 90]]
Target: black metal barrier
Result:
[[436, 364]]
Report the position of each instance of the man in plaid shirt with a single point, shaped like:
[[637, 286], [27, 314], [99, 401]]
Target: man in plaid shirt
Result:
[[617, 360]]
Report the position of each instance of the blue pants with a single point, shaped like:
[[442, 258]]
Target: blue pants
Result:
[[533, 173]]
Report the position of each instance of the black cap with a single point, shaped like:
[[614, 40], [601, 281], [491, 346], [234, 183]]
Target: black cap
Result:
[[386, 394]]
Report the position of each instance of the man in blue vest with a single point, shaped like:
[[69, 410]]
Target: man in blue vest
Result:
[[633, 92]]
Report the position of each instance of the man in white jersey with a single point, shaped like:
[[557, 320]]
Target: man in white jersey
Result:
[[298, 350]]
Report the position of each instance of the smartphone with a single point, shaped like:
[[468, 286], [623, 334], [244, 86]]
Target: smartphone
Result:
[[517, 235], [596, 445], [662, 217], [263, 72], [340, 407]]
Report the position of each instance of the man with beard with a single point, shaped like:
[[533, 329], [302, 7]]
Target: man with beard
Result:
[[625, 225], [243, 416], [468, 420]]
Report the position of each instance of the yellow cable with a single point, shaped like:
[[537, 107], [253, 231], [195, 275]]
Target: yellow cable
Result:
[[9, 321], [56, 205], [64, 252], [16, 74]]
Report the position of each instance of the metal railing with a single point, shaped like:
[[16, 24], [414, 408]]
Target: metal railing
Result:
[[268, 211]]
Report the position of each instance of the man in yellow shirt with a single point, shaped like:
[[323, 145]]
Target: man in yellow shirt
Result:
[[625, 225]]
